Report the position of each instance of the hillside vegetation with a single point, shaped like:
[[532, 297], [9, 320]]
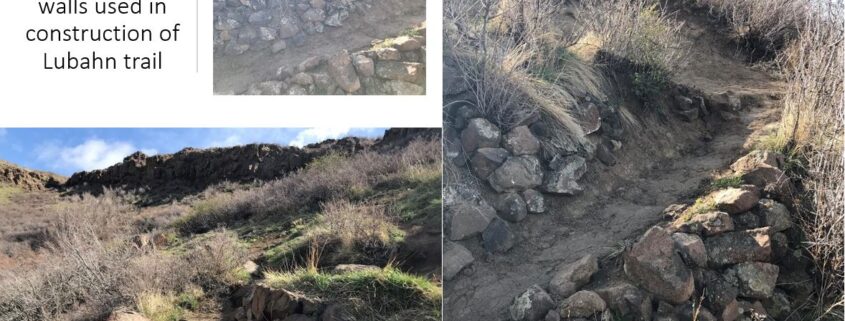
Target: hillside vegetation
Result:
[[337, 228]]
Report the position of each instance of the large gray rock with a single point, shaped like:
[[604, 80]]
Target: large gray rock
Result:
[[520, 141], [654, 264], [757, 280], [480, 133], [569, 278], [517, 173], [582, 304], [511, 207], [774, 215], [735, 200], [778, 305], [468, 219], [564, 176], [531, 305], [756, 158], [691, 248], [341, 69], [486, 160], [628, 301], [739, 247], [498, 237], [720, 292], [288, 28], [708, 224], [535, 202], [455, 258], [364, 65]]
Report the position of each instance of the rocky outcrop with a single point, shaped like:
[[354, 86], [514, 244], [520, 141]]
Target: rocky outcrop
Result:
[[266, 303], [16, 176], [191, 170], [393, 67]]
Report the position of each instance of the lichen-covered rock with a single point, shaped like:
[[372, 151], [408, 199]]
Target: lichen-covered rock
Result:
[[756, 158], [364, 65], [739, 247], [735, 200], [778, 305], [654, 264], [582, 304], [412, 72], [531, 305], [520, 141], [534, 201], [486, 160], [498, 237], [455, 258], [708, 224], [480, 133], [564, 176], [407, 43], [517, 173], [691, 248], [756, 279], [569, 278], [720, 292], [467, 219], [628, 301], [341, 69], [774, 215], [310, 63], [511, 207]]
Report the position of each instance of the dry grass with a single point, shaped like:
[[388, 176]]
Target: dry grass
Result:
[[332, 177], [361, 224]]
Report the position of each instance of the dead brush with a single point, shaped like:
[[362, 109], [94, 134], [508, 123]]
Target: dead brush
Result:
[[358, 225]]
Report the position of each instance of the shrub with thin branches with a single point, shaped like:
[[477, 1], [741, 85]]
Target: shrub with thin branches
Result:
[[768, 24]]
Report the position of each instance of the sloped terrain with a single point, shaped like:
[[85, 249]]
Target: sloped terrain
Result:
[[520, 214], [202, 234]]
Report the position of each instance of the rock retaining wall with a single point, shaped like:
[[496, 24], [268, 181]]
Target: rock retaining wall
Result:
[[392, 67], [275, 25]]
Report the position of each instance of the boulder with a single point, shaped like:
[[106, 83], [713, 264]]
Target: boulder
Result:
[[654, 264], [498, 237], [778, 305], [553, 315], [735, 200], [302, 79], [288, 28], [771, 180], [628, 301], [532, 305], [708, 224], [406, 43], [309, 63], [511, 207], [455, 258], [756, 279], [520, 141], [364, 65], [582, 304], [720, 292], [756, 158], [468, 219], [480, 133], [569, 278], [534, 201], [341, 69], [564, 176], [691, 248], [486, 160], [412, 72], [739, 247], [388, 54], [774, 215], [746, 221], [517, 173]]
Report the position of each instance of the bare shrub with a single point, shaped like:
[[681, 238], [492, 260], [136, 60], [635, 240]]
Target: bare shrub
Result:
[[768, 24]]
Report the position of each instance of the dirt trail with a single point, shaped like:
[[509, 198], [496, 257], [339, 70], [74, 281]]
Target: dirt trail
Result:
[[620, 202], [386, 18]]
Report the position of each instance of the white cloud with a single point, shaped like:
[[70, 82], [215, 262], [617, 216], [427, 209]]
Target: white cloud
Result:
[[313, 135], [90, 155]]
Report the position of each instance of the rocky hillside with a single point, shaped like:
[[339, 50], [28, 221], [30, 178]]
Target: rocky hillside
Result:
[[13, 175], [192, 170]]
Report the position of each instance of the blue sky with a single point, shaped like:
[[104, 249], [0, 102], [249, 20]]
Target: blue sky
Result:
[[69, 150]]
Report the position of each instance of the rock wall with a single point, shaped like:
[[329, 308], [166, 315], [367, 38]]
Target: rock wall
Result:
[[275, 25], [392, 67], [20, 177]]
